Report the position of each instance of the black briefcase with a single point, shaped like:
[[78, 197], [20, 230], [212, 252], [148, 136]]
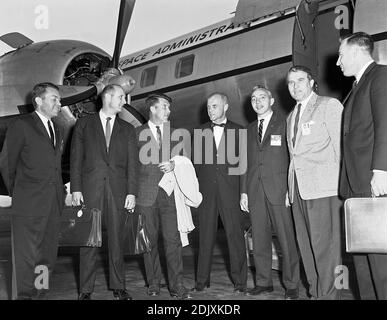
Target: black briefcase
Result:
[[80, 227], [136, 238]]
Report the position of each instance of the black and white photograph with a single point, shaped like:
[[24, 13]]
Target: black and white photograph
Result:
[[216, 152]]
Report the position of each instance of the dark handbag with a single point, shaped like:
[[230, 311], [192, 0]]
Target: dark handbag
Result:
[[137, 241], [80, 227], [142, 244], [249, 246]]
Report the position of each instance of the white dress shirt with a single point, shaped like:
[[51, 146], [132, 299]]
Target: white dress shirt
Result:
[[266, 120], [362, 70], [218, 132], [103, 117], [153, 129], [304, 103], [45, 120]]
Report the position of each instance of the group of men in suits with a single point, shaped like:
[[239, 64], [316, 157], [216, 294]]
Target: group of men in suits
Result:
[[296, 169], [333, 153]]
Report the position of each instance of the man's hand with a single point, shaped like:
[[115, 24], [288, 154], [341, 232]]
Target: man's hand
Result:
[[287, 200], [130, 202], [77, 198], [379, 183], [167, 166], [244, 202]]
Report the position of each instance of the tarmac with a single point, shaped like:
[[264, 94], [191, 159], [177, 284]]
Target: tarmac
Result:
[[64, 279]]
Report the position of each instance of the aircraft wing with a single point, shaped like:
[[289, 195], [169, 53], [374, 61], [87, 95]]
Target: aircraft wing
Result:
[[248, 10], [15, 40]]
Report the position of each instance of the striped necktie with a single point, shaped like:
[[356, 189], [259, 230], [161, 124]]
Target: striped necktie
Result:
[[51, 133], [108, 132], [295, 128], [159, 138], [260, 130]]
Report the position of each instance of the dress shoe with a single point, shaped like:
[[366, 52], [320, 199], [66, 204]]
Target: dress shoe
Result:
[[258, 290], [240, 289], [180, 293], [42, 294], [153, 290], [291, 294], [200, 288], [84, 296], [121, 294]]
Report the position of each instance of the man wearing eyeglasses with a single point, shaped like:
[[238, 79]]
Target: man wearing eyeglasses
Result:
[[103, 175]]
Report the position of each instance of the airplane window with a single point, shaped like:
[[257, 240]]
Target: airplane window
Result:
[[148, 77], [184, 66]]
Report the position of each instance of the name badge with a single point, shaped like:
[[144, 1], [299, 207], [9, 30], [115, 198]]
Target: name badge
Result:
[[275, 140], [306, 129]]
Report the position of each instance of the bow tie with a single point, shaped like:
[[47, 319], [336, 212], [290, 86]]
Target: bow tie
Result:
[[217, 125]]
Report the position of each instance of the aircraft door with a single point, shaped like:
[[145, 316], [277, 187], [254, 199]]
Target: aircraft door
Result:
[[304, 36], [370, 17]]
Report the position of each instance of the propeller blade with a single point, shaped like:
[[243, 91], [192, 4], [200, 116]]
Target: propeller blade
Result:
[[125, 13]]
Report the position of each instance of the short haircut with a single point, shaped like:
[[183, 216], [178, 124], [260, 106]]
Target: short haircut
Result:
[[264, 88], [109, 89], [306, 70], [40, 89], [222, 96], [155, 97], [361, 39]]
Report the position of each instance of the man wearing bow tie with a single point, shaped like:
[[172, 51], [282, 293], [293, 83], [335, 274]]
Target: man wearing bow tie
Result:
[[313, 135], [364, 165], [220, 191], [263, 195], [32, 171]]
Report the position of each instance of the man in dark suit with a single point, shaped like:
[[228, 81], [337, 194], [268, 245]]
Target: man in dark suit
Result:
[[154, 204], [264, 195], [32, 169], [364, 165], [104, 175], [220, 189]]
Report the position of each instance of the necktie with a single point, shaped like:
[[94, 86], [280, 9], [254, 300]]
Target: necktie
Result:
[[51, 133], [354, 84], [260, 130], [159, 139], [108, 132], [295, 128], [217, 125]]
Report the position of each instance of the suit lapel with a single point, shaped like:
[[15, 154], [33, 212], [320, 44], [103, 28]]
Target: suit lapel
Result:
[[272, 124], [41, 128], [115, 134], [288, 131], [153, 138], [349, 100], [306, 115], [255, 132], [58, 138], [99, 132]]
